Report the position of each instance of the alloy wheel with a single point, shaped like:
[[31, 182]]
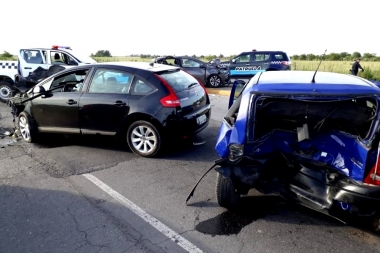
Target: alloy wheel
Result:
[[215, 81], [5, 92], [24, 128], [144, 139]]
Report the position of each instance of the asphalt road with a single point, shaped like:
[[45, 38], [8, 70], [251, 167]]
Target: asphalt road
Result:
[[69, 194]]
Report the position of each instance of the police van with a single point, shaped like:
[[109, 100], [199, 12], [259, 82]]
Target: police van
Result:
[[33, 63], [248, 64]]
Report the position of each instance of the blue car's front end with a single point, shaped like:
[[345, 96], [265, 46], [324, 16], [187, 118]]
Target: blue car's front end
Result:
[[313, 142]]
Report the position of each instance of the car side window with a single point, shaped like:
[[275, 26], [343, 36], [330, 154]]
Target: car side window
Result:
[[110, 81], [190, 63], [56, 58], [279, 57], [32, 56], [243, 58], [141, 87], [69, 82], [171, 61], [261, 57]]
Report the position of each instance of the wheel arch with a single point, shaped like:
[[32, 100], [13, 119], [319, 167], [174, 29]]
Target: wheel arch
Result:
[[130, 119], [7, 79]]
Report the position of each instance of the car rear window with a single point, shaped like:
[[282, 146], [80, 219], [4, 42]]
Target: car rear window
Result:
[[179, 80], [280, 56]]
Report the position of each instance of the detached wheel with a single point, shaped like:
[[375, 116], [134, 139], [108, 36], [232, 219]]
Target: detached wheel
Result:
[[6, 91], [26, 128], [214, 81], [143, 139], [226, 193]]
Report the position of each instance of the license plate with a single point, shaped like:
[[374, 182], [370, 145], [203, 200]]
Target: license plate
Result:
[[201, 119]]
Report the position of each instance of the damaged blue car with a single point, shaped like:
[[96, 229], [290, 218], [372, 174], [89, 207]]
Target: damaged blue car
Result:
[[313, 138]]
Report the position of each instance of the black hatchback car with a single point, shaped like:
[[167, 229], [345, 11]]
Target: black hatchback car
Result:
[[145, 103], [212, 74]]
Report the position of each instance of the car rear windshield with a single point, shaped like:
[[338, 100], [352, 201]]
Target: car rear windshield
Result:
[[280, 56], [179, 80]]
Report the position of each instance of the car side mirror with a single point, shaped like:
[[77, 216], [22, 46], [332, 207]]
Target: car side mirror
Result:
[[39, 90], [233, 60], [72, 63], [203, 66]]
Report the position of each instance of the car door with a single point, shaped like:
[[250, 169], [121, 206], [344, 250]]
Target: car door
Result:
[[241, 65], [195, 68], [31, 59], [57, 109], [105, 103], [260, 62]]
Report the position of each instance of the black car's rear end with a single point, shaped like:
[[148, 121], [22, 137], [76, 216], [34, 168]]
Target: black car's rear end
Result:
[[186, 107]]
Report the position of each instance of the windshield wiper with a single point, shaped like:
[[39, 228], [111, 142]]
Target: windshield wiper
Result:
[[191, 85]]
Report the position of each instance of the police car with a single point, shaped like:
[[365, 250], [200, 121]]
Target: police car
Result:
[[248, 64], [34, 64]]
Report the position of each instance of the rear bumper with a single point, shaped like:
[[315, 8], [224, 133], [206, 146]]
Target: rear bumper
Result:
[[188, 125], [316, 189]]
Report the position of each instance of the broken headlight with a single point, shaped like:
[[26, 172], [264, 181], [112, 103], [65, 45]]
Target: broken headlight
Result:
[[236, 152]]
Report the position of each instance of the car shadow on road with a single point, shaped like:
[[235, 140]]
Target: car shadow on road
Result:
[[274, 209], [200, 148], [98, 141]]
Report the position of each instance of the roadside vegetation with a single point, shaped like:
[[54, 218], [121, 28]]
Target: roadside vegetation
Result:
[[333, 62]]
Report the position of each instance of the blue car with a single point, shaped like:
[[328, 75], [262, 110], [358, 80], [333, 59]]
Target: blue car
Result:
[[248, 64], [311, 137]]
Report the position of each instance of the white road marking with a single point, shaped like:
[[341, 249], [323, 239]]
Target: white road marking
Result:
[[178, 239]]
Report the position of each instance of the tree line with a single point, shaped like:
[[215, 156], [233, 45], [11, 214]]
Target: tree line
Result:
[[344, 56]]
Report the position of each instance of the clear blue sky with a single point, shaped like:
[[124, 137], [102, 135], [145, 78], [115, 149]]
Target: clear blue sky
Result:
[[198, 27]]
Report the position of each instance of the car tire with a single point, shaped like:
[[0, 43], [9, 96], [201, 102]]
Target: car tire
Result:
[[143, 138], [26, 128], [6, 91], [226, 193], [214, 81]]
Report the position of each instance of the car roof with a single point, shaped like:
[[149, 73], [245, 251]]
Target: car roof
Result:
[[153, 67], [300, 82], [263, 52]]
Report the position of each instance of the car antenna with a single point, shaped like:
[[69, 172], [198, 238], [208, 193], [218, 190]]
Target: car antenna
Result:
[[323, 56]]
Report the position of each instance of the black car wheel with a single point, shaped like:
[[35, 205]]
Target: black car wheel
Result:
[[26, 127], [6, 91], [214, 81], [226, 193], [143, 139]]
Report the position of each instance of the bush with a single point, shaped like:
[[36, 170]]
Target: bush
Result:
[[367, 74]]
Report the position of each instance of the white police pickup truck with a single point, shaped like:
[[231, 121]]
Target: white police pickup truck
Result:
[[33, 64]]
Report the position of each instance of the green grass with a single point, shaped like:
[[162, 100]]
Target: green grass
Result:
[[371, 69]]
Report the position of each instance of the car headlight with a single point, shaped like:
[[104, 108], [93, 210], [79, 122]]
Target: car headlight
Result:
[[224, 71], [236, 152]]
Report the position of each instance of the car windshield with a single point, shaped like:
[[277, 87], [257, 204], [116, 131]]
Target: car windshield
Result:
[[179, 80]]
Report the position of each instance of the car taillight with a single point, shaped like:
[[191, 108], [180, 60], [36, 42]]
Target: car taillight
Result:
[[170, 100], [286, 63], [373, 176]]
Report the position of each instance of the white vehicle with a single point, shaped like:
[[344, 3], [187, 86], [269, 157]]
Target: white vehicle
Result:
[[35, 62]]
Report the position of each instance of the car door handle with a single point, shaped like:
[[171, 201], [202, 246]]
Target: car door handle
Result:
[[247, 64], [71, 102], [267, 63], [27, 68], [119, 103]]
